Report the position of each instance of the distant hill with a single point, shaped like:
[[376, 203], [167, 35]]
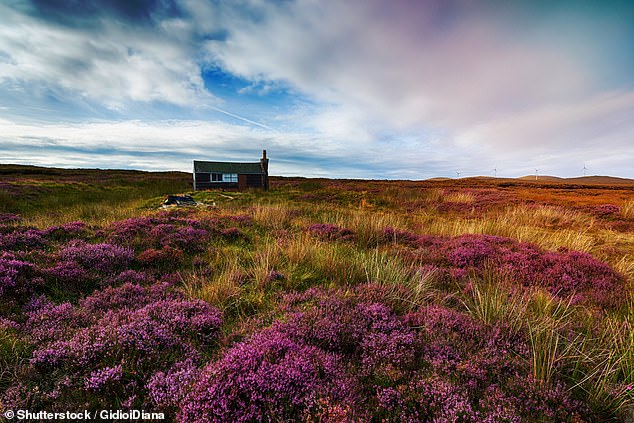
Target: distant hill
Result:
[[591, 180], [439, 178], [543, 178], [607, 180]]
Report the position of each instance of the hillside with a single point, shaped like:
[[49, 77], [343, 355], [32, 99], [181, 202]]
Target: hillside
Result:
[[319, 300], [584, 180]]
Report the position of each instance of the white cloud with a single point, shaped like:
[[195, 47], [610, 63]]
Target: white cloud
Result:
[[398, 66], [172, 145], [598, 123], [397, 69], [112, 63]]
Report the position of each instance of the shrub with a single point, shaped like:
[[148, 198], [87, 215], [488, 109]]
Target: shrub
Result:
[[132, 232], [101, 258], [104, 351], [187, 239], [65, 232], [22, 238], [18, 278], [270, 375], [166, 257], [346, 359], [330, 232], [69, 275], [232, 233], [607, 210], [564, 274], [9, 218]]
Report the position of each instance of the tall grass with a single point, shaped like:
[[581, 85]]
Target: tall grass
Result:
[[393, 196], [403, 281], [13, 352], [593, 348], [601, 364], [490, 299], [367, 226], [610, 377], [459, 197], [504, 226], [44, 202], [272, 215], [222, 289], [546, 216], [627, 210], [263, 263], [92, 213]]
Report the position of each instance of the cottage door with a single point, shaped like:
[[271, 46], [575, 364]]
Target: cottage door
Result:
[[242, 182]]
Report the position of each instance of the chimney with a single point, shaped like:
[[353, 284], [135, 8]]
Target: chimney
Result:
[[264, 164]]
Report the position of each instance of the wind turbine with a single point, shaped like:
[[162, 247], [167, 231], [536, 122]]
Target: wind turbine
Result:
[[458, 173], [495, 172], [584, 169], [536, 173]]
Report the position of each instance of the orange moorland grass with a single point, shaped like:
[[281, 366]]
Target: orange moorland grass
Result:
[[459, 197], [627, 209]]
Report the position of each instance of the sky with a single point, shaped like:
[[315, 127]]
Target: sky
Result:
[[373, 89]]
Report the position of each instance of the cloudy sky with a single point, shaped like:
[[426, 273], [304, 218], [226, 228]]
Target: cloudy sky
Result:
[[361, 88]]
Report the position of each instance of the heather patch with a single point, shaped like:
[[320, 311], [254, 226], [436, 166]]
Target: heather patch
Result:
[[21, 238], [18, 279], [330, 232], [470, 201], [101, 258], [67, 231], [562, 273], [104, 350], [165, 257], [606, 210], [232, 233], [346, 359], [133, 232], [9, 218]]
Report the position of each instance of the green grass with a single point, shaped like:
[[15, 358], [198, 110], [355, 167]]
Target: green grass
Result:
[[44, 197]]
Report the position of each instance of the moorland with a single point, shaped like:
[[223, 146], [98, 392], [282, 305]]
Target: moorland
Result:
[[478, 299]]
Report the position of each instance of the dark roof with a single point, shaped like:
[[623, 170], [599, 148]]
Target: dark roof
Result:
[[226, 167]]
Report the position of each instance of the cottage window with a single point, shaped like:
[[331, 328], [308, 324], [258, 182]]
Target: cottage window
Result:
[[216, 177], [230, 177], [202, 177]]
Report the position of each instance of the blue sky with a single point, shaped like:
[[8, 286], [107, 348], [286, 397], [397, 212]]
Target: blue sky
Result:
[[361, 89]]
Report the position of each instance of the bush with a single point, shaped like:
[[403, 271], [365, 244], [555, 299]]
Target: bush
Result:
[[330, 232], [105, 351], [345, 359], [18, 280], [101, 258]]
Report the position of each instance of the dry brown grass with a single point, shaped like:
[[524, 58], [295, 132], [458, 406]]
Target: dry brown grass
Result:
[[272, 215], [223, 288], [627, 209], [99, 213], [550, 239], [459, 197]]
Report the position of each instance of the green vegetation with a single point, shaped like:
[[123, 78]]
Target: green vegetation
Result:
[[46, 197]]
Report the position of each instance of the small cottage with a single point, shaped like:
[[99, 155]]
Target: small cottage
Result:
[[231, 175]]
